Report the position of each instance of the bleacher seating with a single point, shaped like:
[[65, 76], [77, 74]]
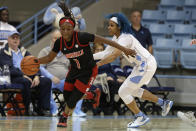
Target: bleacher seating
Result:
[[177, 17], [161, 30], [171, 4], [164, 52], [188, 55], [184, 31], [193, 17], [189, 4], [153, 16]]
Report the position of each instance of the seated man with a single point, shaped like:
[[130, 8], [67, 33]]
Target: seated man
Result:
[[55, 70], [12, 55]]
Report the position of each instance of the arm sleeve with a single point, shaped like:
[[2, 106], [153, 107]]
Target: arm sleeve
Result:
[[101, 55], [56, 47]]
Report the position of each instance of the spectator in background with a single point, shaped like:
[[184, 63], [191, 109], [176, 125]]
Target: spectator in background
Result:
[[5, 28], [55, 70], [141, 33], [12, 55], [53, 14], [109, 83]]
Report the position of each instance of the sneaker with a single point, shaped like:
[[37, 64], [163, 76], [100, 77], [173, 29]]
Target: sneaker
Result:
[[139, 121], [167, 105], [187, 117], [62, 122], [97, 98], [79, 114]]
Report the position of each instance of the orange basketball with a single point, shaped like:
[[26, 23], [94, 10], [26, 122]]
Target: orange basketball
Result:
[[30, 65]]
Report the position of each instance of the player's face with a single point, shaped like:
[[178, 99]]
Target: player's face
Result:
[[113, 28], [66, 31], [4, 16], [14, 41], [136, 17]]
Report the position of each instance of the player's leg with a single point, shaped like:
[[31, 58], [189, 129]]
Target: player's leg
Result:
[[68, 88], [126, 94]]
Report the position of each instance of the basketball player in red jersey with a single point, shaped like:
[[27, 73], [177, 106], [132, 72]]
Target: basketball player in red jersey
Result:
[[83, 69]]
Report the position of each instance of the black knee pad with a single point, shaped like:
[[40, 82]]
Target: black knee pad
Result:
[[76, 95]]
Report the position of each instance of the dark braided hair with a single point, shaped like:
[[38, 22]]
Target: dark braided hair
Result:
[[67, 12]]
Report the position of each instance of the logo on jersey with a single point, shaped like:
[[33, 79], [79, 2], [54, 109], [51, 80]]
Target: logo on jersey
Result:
[[75, 54]]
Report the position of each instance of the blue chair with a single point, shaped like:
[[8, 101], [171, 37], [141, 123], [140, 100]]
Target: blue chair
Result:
[[171, 4], [161, 30], [188, 54], [164, 52], [153, 16], [177, 17], [184, 31], [189, 4], [193, 17]]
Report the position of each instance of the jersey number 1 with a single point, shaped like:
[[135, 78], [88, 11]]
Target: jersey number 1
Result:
[[77, 62]]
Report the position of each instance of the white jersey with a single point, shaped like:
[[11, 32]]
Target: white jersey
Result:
[[129, 41], [5, 29]]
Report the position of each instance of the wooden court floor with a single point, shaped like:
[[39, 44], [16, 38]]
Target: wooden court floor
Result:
[[91, 123]]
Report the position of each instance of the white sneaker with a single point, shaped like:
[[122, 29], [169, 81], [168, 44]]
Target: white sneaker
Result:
[[187, 117], [167, 105], [79, 114], [139, 121]]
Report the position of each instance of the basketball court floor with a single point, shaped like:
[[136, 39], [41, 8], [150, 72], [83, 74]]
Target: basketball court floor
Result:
[[91, 123]]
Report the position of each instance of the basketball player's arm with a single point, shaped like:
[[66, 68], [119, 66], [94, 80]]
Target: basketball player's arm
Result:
[[99, 39], [47, 59], [110, 58]]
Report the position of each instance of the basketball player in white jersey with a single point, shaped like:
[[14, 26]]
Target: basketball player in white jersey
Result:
[[144, 69]]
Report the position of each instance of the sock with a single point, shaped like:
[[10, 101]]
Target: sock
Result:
[[160, 102], [89, 95], [65, 115], [139, 114]]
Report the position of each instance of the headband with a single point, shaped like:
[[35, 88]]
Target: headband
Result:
[[66, 20], [114, 19]]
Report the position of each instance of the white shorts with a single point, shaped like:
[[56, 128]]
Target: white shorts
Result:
[[137, 79]]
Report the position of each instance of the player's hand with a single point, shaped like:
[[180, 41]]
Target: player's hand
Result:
[[129, 52], [193, 42], [35, 82], [55, 80], [25, 76], [110, 78]]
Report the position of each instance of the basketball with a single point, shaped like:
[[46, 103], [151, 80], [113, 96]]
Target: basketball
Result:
[[30, 65]]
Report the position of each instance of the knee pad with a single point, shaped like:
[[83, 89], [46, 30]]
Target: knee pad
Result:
[[138, 92], [125, 96]]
